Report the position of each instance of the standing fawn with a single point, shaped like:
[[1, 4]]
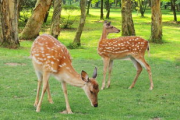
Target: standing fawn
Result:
[[50, 57], [123, 47]]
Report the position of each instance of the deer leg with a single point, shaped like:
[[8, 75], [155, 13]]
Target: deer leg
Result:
[[49, 94], [45, 82], [147, 67], [39, 75], [139, 69], [68, 109], [37, 94], [110, 70], [106, 64]]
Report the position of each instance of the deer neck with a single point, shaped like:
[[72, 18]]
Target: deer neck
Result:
[[104, 34], [70, 76]]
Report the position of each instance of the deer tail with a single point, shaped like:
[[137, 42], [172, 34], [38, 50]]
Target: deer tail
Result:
[[148, 49]]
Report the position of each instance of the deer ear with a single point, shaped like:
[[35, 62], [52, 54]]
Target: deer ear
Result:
[[95, 73], [84, 76]]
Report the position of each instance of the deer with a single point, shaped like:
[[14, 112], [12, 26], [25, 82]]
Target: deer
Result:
[[50, 57], [132, 47]]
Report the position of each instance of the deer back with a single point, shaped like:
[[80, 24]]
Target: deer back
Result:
[[49, 54], [122, 47]]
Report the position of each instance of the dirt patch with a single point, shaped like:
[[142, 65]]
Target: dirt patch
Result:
[[15, 64]]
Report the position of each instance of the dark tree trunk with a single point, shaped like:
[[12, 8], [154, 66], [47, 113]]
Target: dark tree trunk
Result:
[[127, 21], [77, 40], [35, 22], [9, 23], [102, 15], [108, 7], [64, 2], [55, 25], [1, 32], [88, 6], [173, 7], [156, 24], [97, 4]]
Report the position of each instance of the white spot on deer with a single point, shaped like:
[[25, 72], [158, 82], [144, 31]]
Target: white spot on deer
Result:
[[52, 62], [36, 54], [48, 56], [62, 65], [42, 48], [38, 62]]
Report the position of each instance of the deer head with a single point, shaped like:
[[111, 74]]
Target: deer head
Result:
[[91, 87], [109, 28]]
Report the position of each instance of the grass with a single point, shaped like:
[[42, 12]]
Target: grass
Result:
[[18, 81]]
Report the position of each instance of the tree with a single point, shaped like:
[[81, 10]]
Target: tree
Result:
[[1, 34], [55, 25], [35, 22], [102, 14], [127, 21], [141, 6], [156, 24], [88, 6], [108, 7], [173, 7], [77, 40], [9, 23]]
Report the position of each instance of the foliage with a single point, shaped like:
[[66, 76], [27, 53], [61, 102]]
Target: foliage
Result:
[[141, 6], [177, 1], [94, 1], [28, 4], [68, 21]]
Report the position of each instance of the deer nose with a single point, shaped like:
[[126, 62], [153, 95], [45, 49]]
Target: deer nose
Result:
[[118, 31], [95, 105]]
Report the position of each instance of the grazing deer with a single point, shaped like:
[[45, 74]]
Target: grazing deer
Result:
[[123, 47], [50, 57]]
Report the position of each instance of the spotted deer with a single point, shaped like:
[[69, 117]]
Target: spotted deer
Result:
[[122, 47], [50, 57]]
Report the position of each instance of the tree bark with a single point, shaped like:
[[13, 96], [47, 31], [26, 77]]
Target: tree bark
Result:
[[9, 23], [127, 21], [89, 3], [156, 24], [173, 7], [55, 25], [108, 7], [35, 22], [102, 15], [1, 33], [77, 40]]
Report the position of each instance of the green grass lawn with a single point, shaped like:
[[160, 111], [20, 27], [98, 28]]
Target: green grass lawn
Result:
[[18, 81]]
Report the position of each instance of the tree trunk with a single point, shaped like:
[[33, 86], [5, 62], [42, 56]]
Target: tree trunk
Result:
[[97, 4], [127, 21], [173, 7], [64, 2], [35, 22], [102, 15], [1, 33], [89, 3], [9, 23], [108, 6], [77, 40], [156, 24], [55, 25]]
